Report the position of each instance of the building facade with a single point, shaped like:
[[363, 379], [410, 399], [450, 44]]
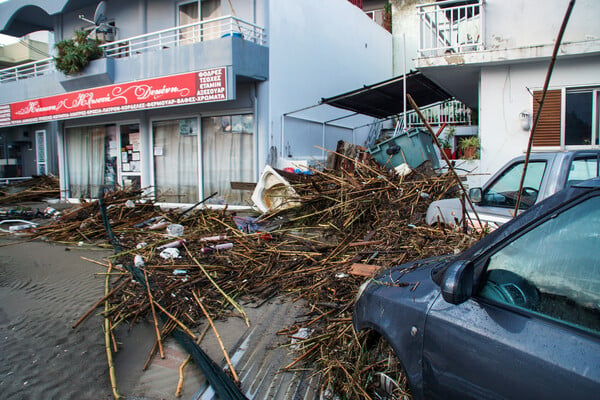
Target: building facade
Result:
[[493, 56], [188, 97]]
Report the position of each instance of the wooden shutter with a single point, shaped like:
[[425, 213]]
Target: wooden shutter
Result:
[[547, 132]]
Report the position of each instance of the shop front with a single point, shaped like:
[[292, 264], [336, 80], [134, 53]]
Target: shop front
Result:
[[179, 138]]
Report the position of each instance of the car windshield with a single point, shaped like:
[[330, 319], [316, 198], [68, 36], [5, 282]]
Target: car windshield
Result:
[[503, 191]]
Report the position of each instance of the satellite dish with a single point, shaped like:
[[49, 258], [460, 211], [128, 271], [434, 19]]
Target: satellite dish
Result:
[[100, 14]]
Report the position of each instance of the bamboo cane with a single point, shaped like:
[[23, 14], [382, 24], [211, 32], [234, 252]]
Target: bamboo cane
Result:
[[107, 340], [210, 321], [156, 328]]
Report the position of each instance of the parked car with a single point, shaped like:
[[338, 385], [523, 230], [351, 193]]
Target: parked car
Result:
[[515, 316], [547, 173]]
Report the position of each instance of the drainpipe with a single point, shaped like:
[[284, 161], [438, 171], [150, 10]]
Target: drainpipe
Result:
[[404, 81]]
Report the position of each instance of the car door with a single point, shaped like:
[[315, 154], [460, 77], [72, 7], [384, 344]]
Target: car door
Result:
[[532, 330], [499, 197]]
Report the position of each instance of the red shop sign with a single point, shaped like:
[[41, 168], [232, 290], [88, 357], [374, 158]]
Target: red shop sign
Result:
[[195, 87]]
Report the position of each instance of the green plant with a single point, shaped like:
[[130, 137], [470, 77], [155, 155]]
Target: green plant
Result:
[[471, 141], [469, 146], [75, 54], [387, 16], [448, 138]]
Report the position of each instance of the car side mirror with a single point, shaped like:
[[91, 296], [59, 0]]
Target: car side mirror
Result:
[[457, 283], [475, 195]]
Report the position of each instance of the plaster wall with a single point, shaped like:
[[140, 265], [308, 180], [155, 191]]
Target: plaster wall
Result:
[[530, 23], [319, 49], [504, 95], [405, 22]]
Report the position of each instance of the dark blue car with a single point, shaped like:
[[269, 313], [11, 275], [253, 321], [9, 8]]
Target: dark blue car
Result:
[[515, 316]]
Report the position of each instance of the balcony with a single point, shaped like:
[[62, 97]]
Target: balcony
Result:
[[453, 26], [198, 33]]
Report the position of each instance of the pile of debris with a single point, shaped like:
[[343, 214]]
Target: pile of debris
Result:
[[38, 188], [350, 223]]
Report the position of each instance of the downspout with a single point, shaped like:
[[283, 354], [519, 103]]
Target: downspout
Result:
[[256, 133], [404, 82]]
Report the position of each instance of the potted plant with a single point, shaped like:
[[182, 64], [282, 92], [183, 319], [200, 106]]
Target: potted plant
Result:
[[469, 147], [75, 54], [447, 141]]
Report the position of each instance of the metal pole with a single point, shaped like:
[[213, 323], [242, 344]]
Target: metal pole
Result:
[[444, 156], [544, 91], [404, 80]]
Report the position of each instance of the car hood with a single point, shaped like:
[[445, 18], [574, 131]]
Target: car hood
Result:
[[407, 288], [395, 304]]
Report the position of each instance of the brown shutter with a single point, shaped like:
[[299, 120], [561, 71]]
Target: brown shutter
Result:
[[547, 132]]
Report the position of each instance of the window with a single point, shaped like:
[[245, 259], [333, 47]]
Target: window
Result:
[[40, 152], [228, 156], [579, 109], [91, 162], [578, 117], [553, 269], [189, 13], [503, 192], [582, 169], [176, 160]]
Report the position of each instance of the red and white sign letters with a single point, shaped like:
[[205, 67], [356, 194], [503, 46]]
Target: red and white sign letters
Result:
[[195, 87]]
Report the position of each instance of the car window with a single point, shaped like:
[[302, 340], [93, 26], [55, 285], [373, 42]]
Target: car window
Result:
[[553, 269], [503, 192], [582, 169]]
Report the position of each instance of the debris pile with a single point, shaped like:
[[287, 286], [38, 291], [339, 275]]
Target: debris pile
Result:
[[200, 263], [37, 188]]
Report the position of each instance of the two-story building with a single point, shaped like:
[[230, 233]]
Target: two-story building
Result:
[[493, 56], [188, 97]]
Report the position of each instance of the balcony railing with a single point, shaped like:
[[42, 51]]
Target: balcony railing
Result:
[[453, 26], [448, 112], [155, 41], [29, 70], [186, 34]]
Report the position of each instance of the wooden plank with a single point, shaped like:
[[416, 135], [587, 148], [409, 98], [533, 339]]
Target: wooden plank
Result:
[[243, 185], [365, 269]]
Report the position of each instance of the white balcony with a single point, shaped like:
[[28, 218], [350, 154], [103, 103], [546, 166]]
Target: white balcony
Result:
[[183, 35], [453, 26]]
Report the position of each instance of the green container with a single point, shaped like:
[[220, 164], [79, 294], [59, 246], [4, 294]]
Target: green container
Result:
[[413, 147]]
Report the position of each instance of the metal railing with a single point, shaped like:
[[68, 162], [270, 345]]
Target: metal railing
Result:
[[184, 35], [25, 71], [168, 38], [449, 28], [447, 112]]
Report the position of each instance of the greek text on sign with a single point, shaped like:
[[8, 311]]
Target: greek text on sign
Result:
[[195, 87]]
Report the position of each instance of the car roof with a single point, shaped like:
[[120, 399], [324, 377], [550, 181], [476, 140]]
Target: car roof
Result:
[[590, 183]]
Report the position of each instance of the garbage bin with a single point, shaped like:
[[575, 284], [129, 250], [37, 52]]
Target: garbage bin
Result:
[[412, 147]]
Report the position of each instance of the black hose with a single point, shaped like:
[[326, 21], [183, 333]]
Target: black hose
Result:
[[221, 383]]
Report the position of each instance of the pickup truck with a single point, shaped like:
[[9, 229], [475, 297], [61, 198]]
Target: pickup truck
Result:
[[547, 173]]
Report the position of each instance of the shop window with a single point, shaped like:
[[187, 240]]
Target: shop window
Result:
[[91, 159], [176, 160], [228, 156]]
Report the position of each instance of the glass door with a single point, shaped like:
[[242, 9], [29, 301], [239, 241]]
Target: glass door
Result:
[[130, 156]]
